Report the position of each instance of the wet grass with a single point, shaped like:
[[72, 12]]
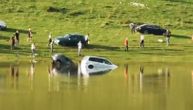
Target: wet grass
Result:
[[106, 21]]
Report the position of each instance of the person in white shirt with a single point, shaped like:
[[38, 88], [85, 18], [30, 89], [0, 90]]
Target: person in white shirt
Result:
[[49, 39], [33, 48], [142, 40], [86, 38], [79, 48]]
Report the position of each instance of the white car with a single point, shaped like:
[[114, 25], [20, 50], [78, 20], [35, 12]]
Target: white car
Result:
[[93, 64], [2, 25]]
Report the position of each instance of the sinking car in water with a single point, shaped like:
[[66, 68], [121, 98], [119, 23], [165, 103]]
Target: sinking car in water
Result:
[[2, 25], [90, 65], [63, 65], [150, 29], [71, 40], [96, 65]]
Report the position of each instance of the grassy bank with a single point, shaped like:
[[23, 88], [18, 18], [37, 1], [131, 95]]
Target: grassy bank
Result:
[[106, 21]]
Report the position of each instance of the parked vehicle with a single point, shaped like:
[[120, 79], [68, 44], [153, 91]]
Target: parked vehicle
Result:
[[150, 29], [71, 40], [2, 25]]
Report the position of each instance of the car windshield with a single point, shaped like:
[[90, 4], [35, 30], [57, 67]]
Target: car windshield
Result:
[[99, 60], [153, 26]]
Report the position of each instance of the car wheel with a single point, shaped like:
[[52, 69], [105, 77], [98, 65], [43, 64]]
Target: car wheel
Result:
[[90, 66]]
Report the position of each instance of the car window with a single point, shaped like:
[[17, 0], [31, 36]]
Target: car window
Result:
[[100, 60], [73, 38]]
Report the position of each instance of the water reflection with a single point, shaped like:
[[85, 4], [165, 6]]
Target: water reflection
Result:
[[158, 79], [192, 79], [69, 76], [31, 73], [126, 71], [14, 72], [149, 79], [137, 86]]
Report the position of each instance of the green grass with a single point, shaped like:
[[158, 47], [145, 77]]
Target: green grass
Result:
[[106, 21]]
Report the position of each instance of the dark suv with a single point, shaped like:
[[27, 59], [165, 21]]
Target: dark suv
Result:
[[71, 40], [150, 29]]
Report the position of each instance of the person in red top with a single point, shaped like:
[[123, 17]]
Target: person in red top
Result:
[[126, 44]]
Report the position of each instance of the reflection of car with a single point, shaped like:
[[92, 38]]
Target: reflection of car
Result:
[[2, 25], [150, 29], [71, 40], [94, 64]]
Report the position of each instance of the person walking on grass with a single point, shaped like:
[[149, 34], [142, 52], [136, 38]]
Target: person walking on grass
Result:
[[79, 48], [49, 39], [33, 48], [142, 41], [167, 34], [29, 35], [17, 37], [126, 44], [12, 42], [51, 46]]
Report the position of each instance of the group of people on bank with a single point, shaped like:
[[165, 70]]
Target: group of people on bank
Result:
[[167, 35], [14, 42]]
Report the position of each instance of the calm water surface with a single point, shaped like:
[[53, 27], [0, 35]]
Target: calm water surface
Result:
[[144, 86]]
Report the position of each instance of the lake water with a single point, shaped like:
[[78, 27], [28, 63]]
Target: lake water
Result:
[[132, 86]]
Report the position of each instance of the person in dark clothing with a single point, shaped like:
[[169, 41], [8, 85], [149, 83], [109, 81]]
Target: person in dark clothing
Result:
[[49, 39], [17, 36], [29, 35], [12, 42]]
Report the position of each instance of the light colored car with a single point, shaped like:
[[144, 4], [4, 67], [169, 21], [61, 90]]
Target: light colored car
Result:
[[95, 65], [2, 25]]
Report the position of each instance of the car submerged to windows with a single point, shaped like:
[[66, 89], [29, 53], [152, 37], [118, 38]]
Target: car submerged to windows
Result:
[[95, 65], [71, 40], [150, 29]]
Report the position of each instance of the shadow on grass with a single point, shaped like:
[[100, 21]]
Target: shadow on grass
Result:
[[14, 30], [180, 1], [94, 46], [161, 51], [180, 36], [6, 49], [4, 38]]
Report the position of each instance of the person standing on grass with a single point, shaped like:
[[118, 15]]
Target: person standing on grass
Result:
[[126, 44], [142, 40], [29, 35], [49, 39], [51, 46], [17, 37], [167, 34], [79, 48], [12, 42], [33, 48], [87, 38]]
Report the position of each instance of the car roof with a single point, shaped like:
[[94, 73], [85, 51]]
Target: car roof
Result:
[[150, 26], [2, 22]]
